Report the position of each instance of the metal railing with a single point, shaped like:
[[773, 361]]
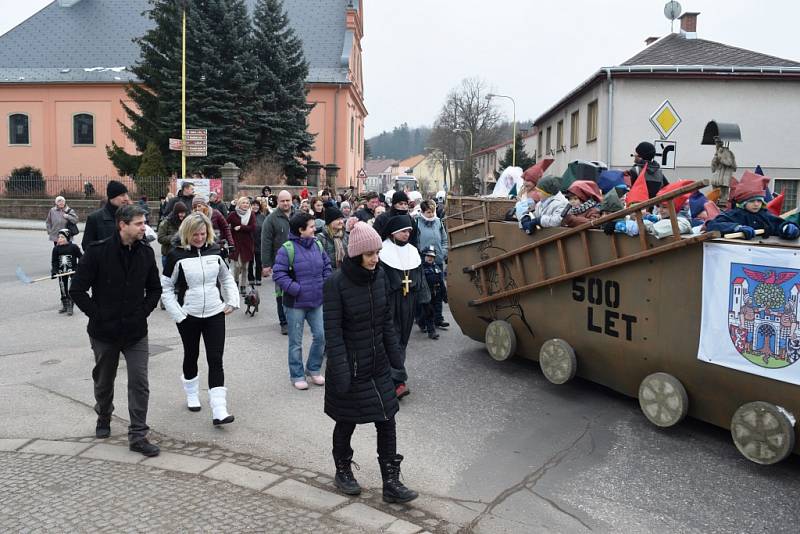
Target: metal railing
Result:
[[81, 187]]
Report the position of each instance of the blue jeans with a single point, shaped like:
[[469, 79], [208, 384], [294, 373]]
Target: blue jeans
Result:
[[296, 318]]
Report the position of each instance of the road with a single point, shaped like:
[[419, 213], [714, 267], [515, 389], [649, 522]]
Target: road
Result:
[[492, 446]]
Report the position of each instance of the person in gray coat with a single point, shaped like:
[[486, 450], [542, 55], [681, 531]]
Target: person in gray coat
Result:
[[274, 233]]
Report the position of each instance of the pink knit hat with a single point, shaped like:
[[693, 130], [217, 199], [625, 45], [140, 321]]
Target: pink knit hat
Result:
[[363, 238]]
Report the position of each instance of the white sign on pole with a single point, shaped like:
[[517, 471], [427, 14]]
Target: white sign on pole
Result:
[[750, 310], [175, 144], [666, 152]]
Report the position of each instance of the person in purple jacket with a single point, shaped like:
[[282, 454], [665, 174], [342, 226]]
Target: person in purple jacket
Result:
[[300, 269]]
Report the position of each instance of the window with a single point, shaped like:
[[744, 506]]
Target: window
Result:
[[539, 144], [549, 139], [352, 132], [83, 129], [573, 129], [560, 136], [18, 131], [789, 189], [591, 122], [359, 140]]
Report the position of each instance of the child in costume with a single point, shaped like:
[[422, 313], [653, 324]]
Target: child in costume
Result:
[[435, 278], [750, 214], [547, 213], [584, 197], [65, 257]]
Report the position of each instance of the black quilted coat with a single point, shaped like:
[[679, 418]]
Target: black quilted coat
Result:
[[360, 341]]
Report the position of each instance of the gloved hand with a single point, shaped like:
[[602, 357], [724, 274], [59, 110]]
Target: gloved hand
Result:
[[652, 218], [790, 231], [748, 231], [627, 227], [528, 224], [52, 275], [608, 228]]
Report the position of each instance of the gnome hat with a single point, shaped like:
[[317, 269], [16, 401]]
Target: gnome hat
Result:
[[585, 189]]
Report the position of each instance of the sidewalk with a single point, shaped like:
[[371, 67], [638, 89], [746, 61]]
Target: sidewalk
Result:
[[187, 487], [27, 224]]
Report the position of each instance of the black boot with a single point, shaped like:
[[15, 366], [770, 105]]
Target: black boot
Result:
[[344, 479], [63, 306], [70, 305], [393, 489]]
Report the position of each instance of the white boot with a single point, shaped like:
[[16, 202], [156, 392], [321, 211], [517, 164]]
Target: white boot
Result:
[[219, 406], [192, 390]]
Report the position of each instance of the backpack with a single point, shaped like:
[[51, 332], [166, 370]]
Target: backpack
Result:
[[289, 246]]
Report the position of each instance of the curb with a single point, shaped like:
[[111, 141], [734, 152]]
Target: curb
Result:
[[277, 485]]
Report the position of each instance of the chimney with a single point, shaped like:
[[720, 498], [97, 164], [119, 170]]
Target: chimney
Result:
[[650, 40], [689, 24], [67, 3]]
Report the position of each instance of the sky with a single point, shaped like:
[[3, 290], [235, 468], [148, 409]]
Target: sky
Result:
[[416, 51]]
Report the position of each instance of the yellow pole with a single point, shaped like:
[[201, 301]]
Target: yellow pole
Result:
[[183, 99]]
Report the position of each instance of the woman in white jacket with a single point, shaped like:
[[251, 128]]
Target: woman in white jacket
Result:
[[195, 302]]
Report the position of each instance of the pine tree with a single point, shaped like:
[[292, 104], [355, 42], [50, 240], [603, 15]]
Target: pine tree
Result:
[[151, 178], [280, 91], [523, 159]]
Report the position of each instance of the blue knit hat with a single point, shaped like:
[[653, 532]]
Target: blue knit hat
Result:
[[697, 203], [608, 180]]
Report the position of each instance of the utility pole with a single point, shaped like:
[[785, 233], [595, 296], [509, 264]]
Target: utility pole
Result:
[[183, 95]]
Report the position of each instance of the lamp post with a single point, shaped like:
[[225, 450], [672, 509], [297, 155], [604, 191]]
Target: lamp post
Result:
[[514, 126], [461, 130]]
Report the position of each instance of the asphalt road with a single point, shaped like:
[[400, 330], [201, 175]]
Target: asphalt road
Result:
[[492, 446]]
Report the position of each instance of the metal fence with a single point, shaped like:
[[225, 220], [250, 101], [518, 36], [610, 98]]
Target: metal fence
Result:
[[81, 187]]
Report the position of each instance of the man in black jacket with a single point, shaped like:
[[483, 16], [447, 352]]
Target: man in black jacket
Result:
[[122, 274], [367, 213], [185, 195], [100, 224]]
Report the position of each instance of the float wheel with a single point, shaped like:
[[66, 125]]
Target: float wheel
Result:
[[763, 432], [501, 342], [558, 362], [663, 399]]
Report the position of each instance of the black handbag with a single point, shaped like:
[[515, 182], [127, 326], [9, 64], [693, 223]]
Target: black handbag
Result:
[[73, 228]]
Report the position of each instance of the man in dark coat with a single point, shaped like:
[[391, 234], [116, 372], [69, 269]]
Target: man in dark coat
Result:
[[216, 203], [185, 195], [122, 275], [407, 287], [362, 346], [645, 155], [274, 233], [367, 213], [399, 207], [101, 224]]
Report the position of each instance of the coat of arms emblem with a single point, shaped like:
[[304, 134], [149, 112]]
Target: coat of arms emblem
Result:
[[763, 310]]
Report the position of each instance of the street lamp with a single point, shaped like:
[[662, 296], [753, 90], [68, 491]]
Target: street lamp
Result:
[[461, 130], [514, 123]]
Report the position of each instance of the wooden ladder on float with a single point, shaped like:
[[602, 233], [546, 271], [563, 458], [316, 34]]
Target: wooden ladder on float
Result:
[[542, 278], [484, 220]]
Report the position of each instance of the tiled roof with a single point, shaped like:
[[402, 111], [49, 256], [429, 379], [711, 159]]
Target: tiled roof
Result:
[[100, 33], [413, 161], [374, 167], [675, 49]]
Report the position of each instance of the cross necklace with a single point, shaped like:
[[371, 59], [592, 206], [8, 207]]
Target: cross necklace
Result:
[[406, 282]]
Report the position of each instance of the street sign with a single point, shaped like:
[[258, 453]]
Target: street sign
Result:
[[665, 119], [196, 143], [666, 152], [362, 174], [175, 144]]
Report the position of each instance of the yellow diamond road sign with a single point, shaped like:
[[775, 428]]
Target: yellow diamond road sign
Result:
[[665, 119]]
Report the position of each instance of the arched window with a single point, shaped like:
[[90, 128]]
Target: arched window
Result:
[[18, 129], [83, 129]]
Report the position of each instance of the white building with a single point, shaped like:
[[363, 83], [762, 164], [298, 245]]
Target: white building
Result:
[[605, 117], [487, 161]]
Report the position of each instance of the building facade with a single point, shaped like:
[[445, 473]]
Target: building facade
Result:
[[610, 113], [60, 96]]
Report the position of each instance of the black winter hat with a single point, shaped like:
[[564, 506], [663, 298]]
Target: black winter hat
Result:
[[115, 189], [399, 196], [332, 213], [646, 151], [397, 223]]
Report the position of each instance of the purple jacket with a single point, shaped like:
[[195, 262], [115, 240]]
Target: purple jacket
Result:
[[302, 286]]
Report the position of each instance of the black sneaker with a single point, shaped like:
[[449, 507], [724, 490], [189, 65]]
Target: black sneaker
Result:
[[285, 330], [442, 324], [103, 429], [144, 447], [433, 335]]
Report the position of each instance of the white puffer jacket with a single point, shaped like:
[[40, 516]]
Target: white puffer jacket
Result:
[[189, 283], [550, 211]]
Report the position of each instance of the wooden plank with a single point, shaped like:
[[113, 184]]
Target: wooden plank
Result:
[[473, 242], [642, 231], [486, 230], [540, 264], [585, 243], [562, 257], [520, 269], [465, 226], [484, 284], [673, 219], [501, 275], [594, 223], [614, 246], [595, 268]]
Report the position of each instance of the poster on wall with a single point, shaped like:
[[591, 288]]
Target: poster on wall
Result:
[[751, 305], [202, 186]]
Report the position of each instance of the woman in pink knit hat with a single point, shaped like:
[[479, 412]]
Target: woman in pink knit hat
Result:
[[362, 345]]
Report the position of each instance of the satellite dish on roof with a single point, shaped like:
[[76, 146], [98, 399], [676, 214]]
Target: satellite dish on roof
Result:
[[672, 11]]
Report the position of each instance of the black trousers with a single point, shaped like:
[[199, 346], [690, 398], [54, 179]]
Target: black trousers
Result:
[[106, 357], [387, 439], [254, 268], [63, 286], [212, 329]]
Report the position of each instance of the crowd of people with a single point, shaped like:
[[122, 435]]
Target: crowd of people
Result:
[[359, 272], [547, 201]]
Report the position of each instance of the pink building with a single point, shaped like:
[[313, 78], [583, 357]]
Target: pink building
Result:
[[63, 73]]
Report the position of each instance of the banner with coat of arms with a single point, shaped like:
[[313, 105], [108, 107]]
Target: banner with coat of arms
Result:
[[751, 305]]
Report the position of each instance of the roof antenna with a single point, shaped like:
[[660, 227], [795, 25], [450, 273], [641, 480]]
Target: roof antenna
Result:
[[672, 11]]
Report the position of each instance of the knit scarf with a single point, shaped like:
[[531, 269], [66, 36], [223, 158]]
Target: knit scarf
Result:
[[581, 208], [338, 243], [244, 215], [427, 219]]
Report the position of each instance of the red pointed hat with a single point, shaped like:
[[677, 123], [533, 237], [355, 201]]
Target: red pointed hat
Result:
[[535, 172], [680, 200], [586, 189], [750, 184]]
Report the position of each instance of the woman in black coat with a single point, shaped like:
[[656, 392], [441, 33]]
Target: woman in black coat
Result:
[[360, 341]]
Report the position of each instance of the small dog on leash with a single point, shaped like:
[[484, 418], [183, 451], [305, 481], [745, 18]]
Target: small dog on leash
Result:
[[252, 300]]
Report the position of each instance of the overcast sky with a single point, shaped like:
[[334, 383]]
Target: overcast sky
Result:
[[536, 51]]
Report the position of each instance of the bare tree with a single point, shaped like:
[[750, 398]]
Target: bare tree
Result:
[[466, 108]]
